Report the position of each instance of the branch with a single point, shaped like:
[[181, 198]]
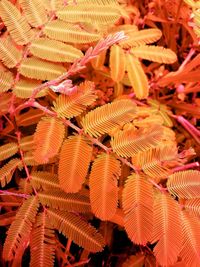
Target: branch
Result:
[[77, 66], [188, 126], [93, 140], [186, 167]]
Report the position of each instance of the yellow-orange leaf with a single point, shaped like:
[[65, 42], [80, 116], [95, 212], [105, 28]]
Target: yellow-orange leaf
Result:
[[75, 157], [138, 208], [7, 171], [137, 77], [8, 150], [167, 229], [32, 116], [129, 142], [193, 206], [89, 13], [190, 252], [44, 180], [24, 88], [6, 81], [117, 63], [98, 62], [48, 138], [185, 184], [55, 51], [106, 118], [75, 228], [42, 242], [155, 53], [20, 228], [39, 69], [103, 186], [64, 201], [34, 12], [73, 105], [16, 24], [9, 54], [142, 37], [63, 31]]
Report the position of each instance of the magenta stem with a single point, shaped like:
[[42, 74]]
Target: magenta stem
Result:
[[186, 167], [189, 127], [4, 192]]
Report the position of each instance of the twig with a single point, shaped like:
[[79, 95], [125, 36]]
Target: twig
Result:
[[186, 167], [77, 66], [93, 140], [80, 263], [187, 59], [28, 177], [4, 192], [188, 126]]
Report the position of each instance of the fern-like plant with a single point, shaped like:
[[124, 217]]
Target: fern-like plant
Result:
[[99, 137]]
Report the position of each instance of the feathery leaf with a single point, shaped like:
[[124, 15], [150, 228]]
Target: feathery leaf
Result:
[[55, 51], [117, 63], [154, 160], [63, 31], [16, 24], [193, 206], [190, 252], [44, 180], [39, 69], [73, 105], [7, 171], [76, 229], [42, 242], [142, 37], [9, 54], [98, 62], [129, 142], [184, 184], [24, 88], [103, 186], [48, 139], [137, 203], [34, 12], [167, 229], [26, 143], [6, 81], [155, 53], [32, 116], [137, 77], [21, 227], [8, 150], [75, 157], [58, 199], [106, 118], [89, 13]]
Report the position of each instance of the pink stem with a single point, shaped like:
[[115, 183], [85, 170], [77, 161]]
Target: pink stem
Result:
[[93, 140], [188, 126], [188, 57], [186, 167], [78, 65], [28, 176], [4, 192], [162, 189], [46, 110]]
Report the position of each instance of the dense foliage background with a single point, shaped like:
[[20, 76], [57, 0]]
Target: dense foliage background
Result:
[[100, 143]]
